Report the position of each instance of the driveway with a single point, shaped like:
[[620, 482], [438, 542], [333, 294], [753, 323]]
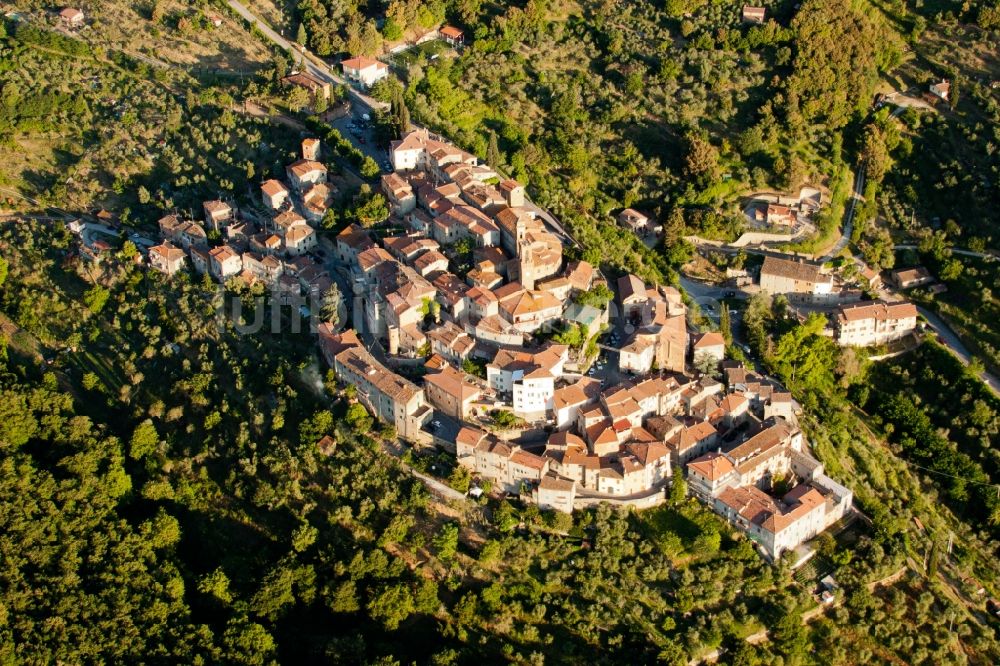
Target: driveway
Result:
[[359, 132], [848, 228]]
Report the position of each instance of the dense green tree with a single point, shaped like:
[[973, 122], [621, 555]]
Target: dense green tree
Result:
[[446, 541], [95, 298], [725, 324], [678, 487], [391, 605], [144, 440]]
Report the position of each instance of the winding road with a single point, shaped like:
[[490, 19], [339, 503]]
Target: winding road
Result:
[[313, 64], [988, 256], [954, 343]]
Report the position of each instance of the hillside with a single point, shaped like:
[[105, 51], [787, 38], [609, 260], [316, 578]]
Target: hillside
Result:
[[134, 138], [231, 538], [165, 494], [679, 110]]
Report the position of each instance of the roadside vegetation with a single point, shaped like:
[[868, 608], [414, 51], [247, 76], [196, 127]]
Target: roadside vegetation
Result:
[[676, 110], [177, 460], [921, 468]]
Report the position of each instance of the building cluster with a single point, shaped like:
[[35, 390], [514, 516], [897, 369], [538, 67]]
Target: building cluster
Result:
[[471, 274], [72, 17], [658, 315], [315, 87], [855, 323], [769, 487], [455, 215], [274, 251], [639, 223], [364, 70]]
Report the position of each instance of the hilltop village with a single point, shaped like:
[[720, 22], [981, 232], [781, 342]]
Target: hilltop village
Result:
[[471, 332]]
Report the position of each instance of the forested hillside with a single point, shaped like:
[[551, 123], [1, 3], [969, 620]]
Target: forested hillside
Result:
[[674, 109], [197, 521], [162, 494]]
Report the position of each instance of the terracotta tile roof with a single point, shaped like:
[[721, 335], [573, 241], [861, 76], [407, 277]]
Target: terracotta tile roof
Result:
[[388, 383], [454, 383], [168, 251], [566, 440], [793, 270], [363, 62], [396, 185], [429, 258], [296, 235], [630, 287], [223, 253], [356, 238], [527, 302], [555, 483], [733, 402], [305, 80], [647, 452], [580, 274], [469, 436], [450, 287], [303, 167], [435, 361], [773, 435], [632, 214], [481, 296], [528, 459], [585, 390], [911, 274], [712, 466], [216, 206], [288, 219], [326, 445], [711, 339], [273, 187], [372, 257], [693, 435], [879, 310], [582, 458]]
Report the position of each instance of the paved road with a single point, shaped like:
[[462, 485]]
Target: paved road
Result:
[[954, 343], [369, 147], [710, 297], [438, 487], [709, 293], [845, 234], [550, 219], [396, 449], [314, 65], [989, 256]]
